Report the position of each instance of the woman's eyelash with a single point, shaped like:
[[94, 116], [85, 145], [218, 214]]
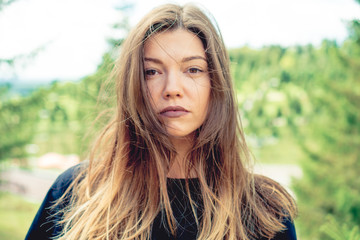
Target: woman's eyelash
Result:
[[194, 70], [150, 72]]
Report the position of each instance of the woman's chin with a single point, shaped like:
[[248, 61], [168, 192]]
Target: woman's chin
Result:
[[179, 135]]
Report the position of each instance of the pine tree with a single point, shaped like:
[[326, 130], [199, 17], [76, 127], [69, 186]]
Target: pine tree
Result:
[[329, 192]]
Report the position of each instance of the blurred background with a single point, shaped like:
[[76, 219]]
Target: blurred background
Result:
[[296, 68]]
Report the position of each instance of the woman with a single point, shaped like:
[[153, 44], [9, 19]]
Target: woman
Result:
[[173, 162]]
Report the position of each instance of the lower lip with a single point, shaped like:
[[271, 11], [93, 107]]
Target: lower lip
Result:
[[173, 114]]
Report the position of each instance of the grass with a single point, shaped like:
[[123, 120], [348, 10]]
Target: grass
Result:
[[16, 215]]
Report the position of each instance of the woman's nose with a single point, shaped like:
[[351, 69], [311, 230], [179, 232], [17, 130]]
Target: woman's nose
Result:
[[173, 85]]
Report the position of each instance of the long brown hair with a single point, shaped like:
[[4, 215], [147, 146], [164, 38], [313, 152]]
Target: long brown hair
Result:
[[124, 187]]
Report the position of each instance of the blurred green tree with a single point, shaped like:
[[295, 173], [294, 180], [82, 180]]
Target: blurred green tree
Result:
[[68, 124], [310, 96], [18, 115], [57, 117], [329, 193], [17, 126]]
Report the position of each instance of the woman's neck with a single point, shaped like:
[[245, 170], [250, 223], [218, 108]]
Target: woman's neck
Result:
[[177, 169]]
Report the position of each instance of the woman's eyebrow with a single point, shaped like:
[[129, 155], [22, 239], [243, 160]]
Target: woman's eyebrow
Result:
[[155, 60], [186, 59]]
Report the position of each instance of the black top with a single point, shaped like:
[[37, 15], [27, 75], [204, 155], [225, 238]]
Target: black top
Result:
[[44, 224]]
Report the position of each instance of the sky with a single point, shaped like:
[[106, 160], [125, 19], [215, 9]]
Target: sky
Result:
[[69, 36]]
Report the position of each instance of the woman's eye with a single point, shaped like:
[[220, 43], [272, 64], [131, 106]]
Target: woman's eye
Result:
[[150, 72], [194, 70]]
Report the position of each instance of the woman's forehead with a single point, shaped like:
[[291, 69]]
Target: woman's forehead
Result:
[[178, 43]]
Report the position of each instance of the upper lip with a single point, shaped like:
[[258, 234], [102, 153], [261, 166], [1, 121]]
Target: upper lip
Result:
[[173, 108]]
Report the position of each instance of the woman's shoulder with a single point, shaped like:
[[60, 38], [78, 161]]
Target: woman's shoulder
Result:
[[263, 182], [66, 178], [274, 194], [274, 200], [44, 225], [288, 232]]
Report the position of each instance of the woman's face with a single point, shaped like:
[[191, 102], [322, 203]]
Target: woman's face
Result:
[[177, 77]]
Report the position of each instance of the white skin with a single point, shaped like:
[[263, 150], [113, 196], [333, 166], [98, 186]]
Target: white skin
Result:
[[177, 77]]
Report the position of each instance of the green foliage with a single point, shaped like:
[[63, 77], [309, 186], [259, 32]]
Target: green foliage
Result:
[[310, 96], [331, 184], [18, 118], [334, 229], [55, 118], [68, 115]]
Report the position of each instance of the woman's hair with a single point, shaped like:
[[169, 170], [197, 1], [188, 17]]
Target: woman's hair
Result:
[[124, 187]]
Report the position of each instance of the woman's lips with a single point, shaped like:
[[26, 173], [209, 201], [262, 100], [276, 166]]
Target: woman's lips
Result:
[[173, 111]]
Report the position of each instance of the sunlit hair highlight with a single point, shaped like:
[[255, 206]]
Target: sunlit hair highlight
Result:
[[124, 186]]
